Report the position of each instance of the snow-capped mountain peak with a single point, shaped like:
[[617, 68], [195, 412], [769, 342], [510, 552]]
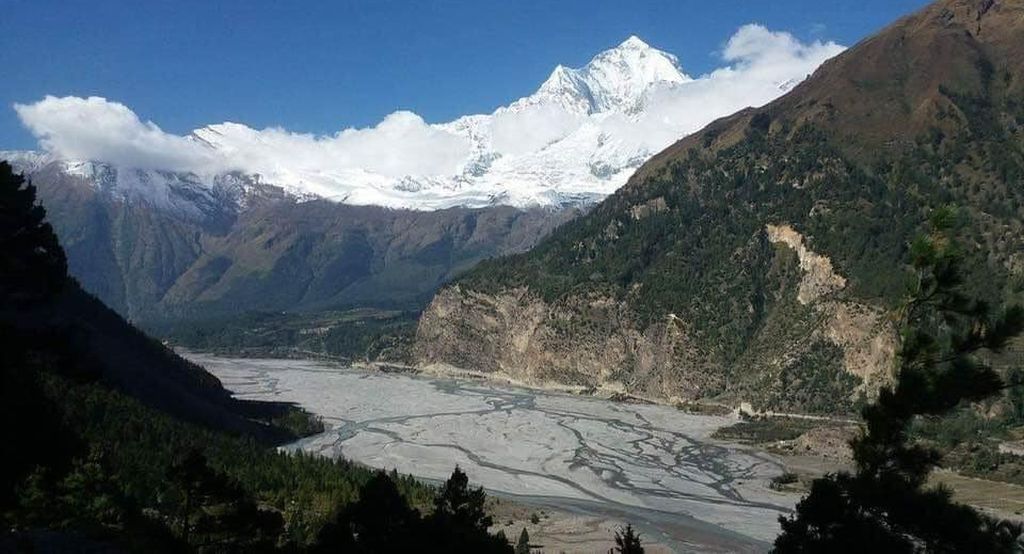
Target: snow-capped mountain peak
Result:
[[614, 80], [26, 160], [575, 140]]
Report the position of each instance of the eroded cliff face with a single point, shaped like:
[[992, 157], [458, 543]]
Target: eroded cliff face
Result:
[[597, 342], [590, 342], [864, 334], [819, 279]]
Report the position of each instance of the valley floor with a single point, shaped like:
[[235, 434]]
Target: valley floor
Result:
[[583, 465]]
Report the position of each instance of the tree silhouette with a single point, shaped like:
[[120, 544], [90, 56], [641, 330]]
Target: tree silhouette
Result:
[[32, 263], [459, 522], [32, 273], [215, 513], [380, 521], [461, 505], [884, 506], [627, 541], [523, 544]]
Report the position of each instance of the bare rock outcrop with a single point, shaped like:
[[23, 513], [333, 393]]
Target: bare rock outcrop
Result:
[[589, 341], [867, 339]]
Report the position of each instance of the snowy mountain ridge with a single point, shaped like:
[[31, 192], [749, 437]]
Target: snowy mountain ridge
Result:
[[577, 139], [615, 80]]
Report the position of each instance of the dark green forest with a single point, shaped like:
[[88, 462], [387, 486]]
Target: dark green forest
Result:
[[352, 335]]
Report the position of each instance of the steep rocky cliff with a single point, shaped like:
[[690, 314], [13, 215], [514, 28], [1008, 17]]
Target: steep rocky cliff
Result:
[[759, 259], [597, 341]]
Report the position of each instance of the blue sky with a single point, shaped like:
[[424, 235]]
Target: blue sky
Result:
[[319, 66]]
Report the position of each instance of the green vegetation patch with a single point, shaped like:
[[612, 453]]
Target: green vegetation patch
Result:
[[351, 335], [763, 430]]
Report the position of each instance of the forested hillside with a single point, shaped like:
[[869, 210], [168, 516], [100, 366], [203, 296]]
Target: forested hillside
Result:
[[758, 259]]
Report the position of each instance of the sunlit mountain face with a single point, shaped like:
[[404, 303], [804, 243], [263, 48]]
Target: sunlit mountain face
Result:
[[577, 139]]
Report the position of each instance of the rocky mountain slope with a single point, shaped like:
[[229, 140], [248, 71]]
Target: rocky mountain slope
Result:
[[239, 245], [48, 320], [758, 259]]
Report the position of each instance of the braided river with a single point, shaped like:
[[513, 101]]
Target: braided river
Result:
[[651, 465]]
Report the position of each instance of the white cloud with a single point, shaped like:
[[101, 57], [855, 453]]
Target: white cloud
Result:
[[757, 65], [96, 129], [762, 54], [401, 144], [761, 64], [531, 128]]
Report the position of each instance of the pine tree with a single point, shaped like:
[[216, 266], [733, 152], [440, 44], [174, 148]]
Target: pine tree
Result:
[[461, 506], [627, 541], [884, 506], [32, 272], [32, 263], [90, 493], [459, 522], [523, 544], [380, 521]]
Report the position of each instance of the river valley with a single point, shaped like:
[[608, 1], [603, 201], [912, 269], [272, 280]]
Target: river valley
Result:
[[652, 465]]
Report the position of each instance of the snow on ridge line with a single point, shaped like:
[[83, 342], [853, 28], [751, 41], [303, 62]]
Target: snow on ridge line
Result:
[[577, 139]]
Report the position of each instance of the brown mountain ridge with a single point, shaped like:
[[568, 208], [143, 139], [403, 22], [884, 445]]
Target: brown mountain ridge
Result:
[[758, 260]]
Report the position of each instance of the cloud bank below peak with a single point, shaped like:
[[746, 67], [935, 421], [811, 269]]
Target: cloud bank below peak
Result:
[[97, 129], [531, 152]]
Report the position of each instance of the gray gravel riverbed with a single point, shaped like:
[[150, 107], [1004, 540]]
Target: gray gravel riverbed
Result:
[[650, 464]]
